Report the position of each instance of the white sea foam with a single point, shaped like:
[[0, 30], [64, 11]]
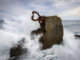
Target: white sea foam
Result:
[[9, 36]]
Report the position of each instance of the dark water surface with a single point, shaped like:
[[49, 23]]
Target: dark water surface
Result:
[[72, 25]]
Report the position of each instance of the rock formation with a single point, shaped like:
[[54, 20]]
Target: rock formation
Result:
[[18, 50], [52, 29], [54, 32], [77, 36]]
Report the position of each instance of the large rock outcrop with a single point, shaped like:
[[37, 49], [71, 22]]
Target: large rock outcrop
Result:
[[54, 32]]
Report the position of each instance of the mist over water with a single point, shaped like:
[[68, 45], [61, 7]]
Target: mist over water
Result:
[[15, 31]]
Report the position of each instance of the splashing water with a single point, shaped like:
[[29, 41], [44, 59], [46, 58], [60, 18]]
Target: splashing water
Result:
[[14, 31]]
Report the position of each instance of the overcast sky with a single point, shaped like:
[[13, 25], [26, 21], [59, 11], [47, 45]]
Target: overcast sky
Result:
[[21, 9]]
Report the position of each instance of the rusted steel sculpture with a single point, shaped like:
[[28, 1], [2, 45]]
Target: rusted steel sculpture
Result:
[[41, 20], [52, 29]]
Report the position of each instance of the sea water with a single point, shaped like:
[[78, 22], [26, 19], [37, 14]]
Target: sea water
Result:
[[13, 31]]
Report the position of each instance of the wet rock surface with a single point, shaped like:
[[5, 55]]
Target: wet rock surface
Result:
[[18, 50], [77, 36]]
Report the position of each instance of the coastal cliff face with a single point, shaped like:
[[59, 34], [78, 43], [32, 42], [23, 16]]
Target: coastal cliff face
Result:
[[54, 32]]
